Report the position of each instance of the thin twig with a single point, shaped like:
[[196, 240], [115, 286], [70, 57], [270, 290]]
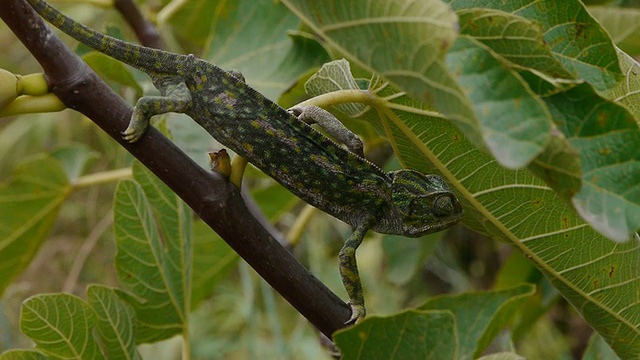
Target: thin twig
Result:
[[85, 250]]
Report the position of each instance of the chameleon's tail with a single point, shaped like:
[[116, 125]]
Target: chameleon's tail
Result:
[[143, 58]]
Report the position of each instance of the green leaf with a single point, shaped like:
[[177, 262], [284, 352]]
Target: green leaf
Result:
[[155, 266], [109, 68], [622, 24], [239, 39], [596, 275], [600, 131], [333, 76], [22, 355], [514, 270], [502, 356], [270, 60], [598, 349], [116, 322], [30, 204], [20, 139], [513, 144], [368, 35], [457, 87], [576, 40], [174, 218], [515, 207], [61, 325], [626, 93], [406, 256], [74, 158], [364, 31], [517, 39], [480, 316], [408, 335], [275, 201], [188, 20], [303, 56], [213, 259]]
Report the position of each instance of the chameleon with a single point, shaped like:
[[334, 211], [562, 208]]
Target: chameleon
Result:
[[283, 145]]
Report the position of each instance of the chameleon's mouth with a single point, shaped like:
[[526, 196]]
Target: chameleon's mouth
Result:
[[446, 212]]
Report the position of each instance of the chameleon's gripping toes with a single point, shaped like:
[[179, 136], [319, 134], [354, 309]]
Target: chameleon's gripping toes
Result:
[[313, 167]]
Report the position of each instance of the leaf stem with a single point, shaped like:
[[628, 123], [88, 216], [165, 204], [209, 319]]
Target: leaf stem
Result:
[[186, 343], [364, 97], [341, 97], [102, 178], [298, 227]]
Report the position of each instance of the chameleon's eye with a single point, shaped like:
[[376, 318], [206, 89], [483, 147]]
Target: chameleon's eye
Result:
[[443, 206]]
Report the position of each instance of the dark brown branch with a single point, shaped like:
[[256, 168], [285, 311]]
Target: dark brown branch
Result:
[[211, 197], [144, 30]]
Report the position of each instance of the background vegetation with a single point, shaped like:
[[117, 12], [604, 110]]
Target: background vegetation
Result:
[[528, 109]]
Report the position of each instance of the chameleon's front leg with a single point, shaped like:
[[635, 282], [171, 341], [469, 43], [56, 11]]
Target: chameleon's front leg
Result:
[[176, 98], [349, 272]]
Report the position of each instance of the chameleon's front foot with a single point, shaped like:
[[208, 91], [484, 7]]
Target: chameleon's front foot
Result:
[[136, 128], [176, 97]]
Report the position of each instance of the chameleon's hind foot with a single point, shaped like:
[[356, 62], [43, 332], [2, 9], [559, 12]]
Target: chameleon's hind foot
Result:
[[357, 312], [316, 115]]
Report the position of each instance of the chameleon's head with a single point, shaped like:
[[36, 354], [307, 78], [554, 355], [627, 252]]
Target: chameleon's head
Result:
[[424, 203]]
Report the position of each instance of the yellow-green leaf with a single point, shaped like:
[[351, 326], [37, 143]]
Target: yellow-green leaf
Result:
[[30, 205], [61, 325]]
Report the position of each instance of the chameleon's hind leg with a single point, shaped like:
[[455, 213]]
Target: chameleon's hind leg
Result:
[[349, 272], [176, 97], [333, 126]]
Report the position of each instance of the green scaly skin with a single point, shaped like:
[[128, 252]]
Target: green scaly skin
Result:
[[307, 163]]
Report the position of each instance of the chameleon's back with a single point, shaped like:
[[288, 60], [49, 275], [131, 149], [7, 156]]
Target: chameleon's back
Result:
[[303, 160]]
